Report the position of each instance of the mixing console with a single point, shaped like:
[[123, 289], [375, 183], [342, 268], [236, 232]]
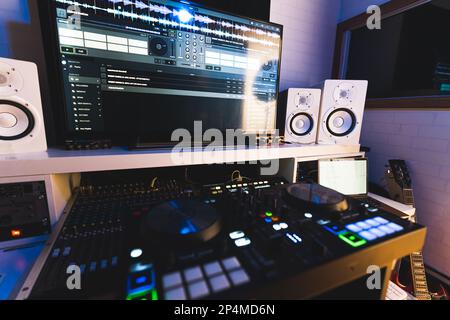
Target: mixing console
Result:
[[254, 239]]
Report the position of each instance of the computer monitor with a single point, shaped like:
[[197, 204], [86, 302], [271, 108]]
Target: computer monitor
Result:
[[123, 69], [347, 176]]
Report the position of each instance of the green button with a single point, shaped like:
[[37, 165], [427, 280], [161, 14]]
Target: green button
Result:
[[145, 295], [269, 214], [352, 239]]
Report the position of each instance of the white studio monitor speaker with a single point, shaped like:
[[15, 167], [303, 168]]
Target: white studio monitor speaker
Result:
[[21, 119], [341, 111], [302, 114]]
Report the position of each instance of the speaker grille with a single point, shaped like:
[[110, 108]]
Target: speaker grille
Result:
[[341, 122], [301, 124], [16, 120]]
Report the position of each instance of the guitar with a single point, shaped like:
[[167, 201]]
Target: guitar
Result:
[[400, 189]]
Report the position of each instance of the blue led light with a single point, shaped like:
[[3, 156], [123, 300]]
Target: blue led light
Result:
[[141, 280], [185, 16], [185, 231], [145, 282], [268, 220]]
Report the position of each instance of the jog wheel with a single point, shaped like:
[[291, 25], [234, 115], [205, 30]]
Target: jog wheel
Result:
[[179, 222], [158, 46], [316, 196]]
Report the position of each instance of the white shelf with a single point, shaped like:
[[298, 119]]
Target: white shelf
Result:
[[57, 161]]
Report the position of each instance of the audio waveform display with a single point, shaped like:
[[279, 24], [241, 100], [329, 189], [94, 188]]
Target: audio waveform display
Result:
[[186, 20]]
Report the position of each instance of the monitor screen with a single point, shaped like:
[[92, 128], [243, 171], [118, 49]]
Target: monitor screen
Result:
[[347, 176], [131, 68], [408, 57]]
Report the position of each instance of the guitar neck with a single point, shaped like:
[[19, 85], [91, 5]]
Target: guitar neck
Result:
[[418, 272], [401, 175], [408, 197], [420, 284]]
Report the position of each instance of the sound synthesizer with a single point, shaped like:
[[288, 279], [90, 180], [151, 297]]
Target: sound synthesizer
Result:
[[258, 239]]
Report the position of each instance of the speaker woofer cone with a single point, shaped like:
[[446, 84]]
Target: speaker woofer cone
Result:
[[24, 120], [341, 122], [301, 124]]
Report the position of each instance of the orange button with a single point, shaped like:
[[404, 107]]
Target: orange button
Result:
[[16, 233]]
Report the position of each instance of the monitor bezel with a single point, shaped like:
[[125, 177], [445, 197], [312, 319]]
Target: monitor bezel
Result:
[[47, 14]]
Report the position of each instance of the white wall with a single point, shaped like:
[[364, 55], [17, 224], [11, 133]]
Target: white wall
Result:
[[309, 38], [422, 138]]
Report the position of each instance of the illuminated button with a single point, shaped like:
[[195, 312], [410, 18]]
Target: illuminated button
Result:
[[284, 225], [275, 219], [66, 251], [231, 263], [188, 43], [368, 235], [141, 280], [219, 283], [378, 232], [193, 274], [239, 277], [373, 222], [171, 280], [16, 233], [136, 253], [353, 228], [308, 215], [268, 220], [381, 220], [176, 294], [372, 210], [269, 214], [194, 44], [294, 238], [363, 225], [352, 239], [276, 227], [243, 242], [387, 229], [237, 235], [188, 35], [198, 290], [395, 227], [212, 268], [188, 50], [56, 252]]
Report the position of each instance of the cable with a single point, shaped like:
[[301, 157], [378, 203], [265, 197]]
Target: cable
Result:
[[240, 178], [152, 185]]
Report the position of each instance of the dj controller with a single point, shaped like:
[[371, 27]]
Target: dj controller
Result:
[[241, 240]]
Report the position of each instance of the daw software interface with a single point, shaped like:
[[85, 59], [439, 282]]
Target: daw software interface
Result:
[[174, 61]]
